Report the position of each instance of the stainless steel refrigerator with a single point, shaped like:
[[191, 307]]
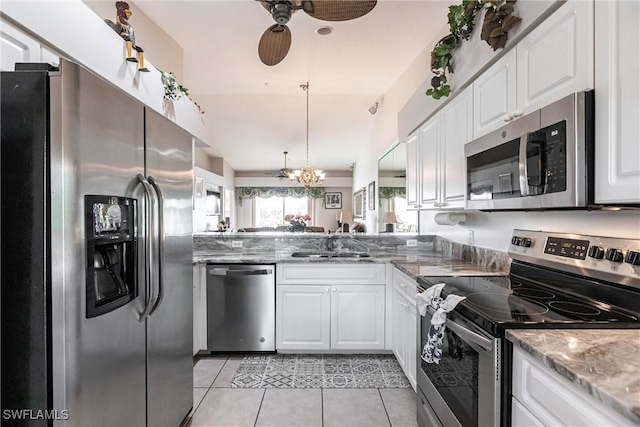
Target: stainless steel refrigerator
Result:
[[96, 254]]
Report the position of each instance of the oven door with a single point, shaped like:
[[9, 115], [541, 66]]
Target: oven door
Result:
[[464, 388]]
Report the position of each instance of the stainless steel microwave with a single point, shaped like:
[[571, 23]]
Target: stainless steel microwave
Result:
[[543, 160]]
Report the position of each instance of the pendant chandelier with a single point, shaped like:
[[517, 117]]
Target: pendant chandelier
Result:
[[307, 175]]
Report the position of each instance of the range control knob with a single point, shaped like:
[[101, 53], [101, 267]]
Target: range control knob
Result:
[[614, 255], [633, 258], [526, 242], [596, 252]]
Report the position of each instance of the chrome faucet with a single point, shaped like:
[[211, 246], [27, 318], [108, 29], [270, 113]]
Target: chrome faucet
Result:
[[329, 243]]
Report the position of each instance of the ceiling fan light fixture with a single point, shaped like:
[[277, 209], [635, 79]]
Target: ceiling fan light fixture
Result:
[[307, 175], [281, 12]]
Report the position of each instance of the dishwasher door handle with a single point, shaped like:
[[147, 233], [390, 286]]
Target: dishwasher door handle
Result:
[[229, 272]]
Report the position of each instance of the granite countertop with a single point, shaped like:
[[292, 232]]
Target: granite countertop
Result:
[[424, 264], [604, 363]]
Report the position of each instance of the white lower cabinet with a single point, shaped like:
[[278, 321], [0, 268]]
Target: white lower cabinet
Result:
[[543, 397], [345, 312], [199, 307], [303, 316], [404, 324], [357, 317]]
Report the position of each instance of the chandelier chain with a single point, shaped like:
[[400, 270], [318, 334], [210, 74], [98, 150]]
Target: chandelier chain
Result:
[[307, 175]]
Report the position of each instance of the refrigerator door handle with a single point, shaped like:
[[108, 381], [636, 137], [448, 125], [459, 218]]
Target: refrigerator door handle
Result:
[[161, 243], [148, 274]]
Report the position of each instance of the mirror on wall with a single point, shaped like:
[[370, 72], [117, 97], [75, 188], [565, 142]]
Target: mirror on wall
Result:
[[393, 215]]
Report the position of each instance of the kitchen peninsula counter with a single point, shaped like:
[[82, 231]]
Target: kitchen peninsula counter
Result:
[[604, 363], [432, 256]]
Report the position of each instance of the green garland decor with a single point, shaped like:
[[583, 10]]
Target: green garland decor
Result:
[[498, 20], [173, 91]]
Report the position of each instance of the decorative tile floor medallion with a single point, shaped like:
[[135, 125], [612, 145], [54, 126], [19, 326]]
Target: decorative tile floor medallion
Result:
[[320, 371]]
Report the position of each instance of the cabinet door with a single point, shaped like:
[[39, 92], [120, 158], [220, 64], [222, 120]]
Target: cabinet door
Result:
[[413, 179], [411, 342], [429, 162], [302, 317], [357, 317], [494, 95], [16, 47], [199, 307], [556, 59], [456, 125], [399, 335], [617, 152]]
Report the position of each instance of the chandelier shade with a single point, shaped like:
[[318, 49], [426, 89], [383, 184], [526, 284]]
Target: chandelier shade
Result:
[[307, 175]]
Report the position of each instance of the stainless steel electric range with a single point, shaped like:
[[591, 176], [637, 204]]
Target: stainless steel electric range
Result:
[[556, 281]]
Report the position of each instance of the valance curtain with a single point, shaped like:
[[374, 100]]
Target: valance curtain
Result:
[[266, 192], [391, 192]]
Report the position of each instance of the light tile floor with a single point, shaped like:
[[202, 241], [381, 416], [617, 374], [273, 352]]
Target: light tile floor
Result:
[[216, 404]]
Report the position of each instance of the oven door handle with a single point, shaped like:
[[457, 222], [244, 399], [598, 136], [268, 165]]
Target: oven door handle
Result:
[[470, 336]]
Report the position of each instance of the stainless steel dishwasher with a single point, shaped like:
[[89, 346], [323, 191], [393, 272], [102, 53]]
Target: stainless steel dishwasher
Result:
[[241, 308]]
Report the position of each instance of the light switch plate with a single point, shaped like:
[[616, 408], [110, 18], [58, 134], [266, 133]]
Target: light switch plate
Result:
[[236, 243]]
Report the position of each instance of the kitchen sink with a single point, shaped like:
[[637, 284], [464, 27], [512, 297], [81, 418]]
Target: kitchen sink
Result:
[[330, 255]]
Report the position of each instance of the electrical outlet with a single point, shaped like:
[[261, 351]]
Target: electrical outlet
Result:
[[412, 242], [471, 239], [236, 243]]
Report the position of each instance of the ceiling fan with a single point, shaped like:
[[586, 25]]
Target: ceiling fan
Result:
[[284, 172], [276, 40]]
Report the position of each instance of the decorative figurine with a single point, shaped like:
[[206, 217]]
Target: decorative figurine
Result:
[[125, 30]]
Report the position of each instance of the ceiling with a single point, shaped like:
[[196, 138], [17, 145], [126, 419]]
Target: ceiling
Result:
[[255, 112]]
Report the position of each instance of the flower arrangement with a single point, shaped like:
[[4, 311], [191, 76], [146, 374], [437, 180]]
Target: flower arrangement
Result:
[[297, 222], [223, 225]]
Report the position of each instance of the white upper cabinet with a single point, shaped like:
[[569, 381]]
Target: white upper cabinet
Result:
[[429, 162], [436, 153], [456, 130], [17, 46], [553, 61], [617, 83], [412, 170], [494, 95]]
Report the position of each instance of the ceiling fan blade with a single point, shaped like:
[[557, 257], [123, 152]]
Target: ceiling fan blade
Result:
[[274, 44], [337, 10]]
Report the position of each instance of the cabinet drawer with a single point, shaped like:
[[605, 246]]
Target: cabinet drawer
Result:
[[405, 286], [330, 273]]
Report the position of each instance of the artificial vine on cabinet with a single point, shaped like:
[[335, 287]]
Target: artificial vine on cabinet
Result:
[[498, 21]]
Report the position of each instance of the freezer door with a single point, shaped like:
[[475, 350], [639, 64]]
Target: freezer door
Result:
[[96, 148], [169, 165]]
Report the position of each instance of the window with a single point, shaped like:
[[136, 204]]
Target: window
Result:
[[270, 212]]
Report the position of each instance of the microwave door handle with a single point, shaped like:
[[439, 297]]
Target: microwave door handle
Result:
[[522, 166]]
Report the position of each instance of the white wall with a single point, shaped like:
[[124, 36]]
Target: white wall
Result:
[[405, 107], [165, 52]]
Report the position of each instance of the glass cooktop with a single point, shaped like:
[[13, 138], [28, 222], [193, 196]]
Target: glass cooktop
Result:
[[498, 303]]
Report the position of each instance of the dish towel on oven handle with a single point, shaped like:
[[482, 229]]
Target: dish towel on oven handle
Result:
[[432, 350], [430, 297]]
